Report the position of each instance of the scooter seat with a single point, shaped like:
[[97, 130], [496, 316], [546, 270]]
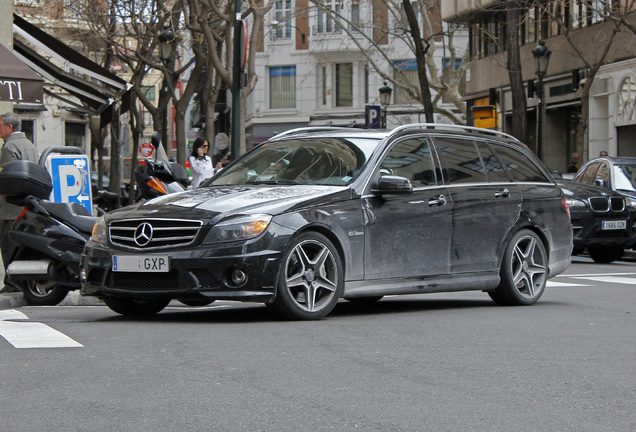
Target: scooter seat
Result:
[[72, 213]]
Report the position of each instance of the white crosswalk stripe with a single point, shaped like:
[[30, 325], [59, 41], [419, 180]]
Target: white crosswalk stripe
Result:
[[611, 279], [16, 328], [552, 284]]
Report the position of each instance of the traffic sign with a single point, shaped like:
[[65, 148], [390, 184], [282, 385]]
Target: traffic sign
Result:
[[372, 116], [70, 175]]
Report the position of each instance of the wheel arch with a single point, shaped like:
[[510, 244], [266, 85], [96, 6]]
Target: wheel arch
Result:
[[331, 236]]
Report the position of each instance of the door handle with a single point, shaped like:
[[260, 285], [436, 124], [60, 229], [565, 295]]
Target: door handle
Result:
[[502, 193], [439, 201]]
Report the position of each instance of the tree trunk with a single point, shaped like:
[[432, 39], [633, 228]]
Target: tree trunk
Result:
[[420, 56], [519, 102]]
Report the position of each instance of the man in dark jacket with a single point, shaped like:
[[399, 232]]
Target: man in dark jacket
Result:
[[16, 147]]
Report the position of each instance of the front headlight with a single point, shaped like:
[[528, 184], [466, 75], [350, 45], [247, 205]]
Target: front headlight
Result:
[[100, 233], [630, 203], [575, 203], [240, 228]]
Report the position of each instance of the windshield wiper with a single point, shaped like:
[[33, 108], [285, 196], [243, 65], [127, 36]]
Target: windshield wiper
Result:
[[273, 182]]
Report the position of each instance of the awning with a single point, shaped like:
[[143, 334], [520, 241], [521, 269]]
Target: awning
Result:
[[18, 83], [97, 93]]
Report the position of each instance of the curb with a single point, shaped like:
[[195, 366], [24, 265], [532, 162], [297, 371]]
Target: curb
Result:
[[16, 299]]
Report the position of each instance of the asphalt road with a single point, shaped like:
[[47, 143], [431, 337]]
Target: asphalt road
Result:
[[447, 362]]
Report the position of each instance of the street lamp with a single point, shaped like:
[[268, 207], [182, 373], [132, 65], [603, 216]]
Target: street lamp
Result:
[[166, 38], [542, 55], [385, 100]]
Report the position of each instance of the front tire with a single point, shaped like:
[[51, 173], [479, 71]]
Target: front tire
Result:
[[135, 307], [43, 293], [606, 254], [524, 271], [195, 302], [310, 280]]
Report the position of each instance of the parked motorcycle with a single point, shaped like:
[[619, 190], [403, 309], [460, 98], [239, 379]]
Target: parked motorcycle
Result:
[[157, 177], [47, 239]]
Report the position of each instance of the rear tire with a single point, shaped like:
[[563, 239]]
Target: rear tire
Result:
[[606, 254], [524, 271], [135, 307], [43, 293]]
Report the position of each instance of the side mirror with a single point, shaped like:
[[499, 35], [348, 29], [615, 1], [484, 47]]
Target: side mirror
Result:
[[155, 140], [599, 182], [389, 184]]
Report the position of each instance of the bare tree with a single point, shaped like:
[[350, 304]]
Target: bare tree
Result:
[[421, 39]]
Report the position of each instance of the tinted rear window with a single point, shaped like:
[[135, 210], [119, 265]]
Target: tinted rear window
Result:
[[461, 161], [518, 166]]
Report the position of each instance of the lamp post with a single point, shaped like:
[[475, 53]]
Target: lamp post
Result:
[[542, 55], [385, 100], [165, 51]]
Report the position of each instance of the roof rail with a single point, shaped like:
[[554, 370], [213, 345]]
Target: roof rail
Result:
[[309, 129], [440, 126]]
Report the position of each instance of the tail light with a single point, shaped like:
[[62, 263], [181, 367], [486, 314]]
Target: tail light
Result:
[[567, 209]]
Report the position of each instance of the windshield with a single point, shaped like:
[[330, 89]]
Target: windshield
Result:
[[625, 177], [328, 161]]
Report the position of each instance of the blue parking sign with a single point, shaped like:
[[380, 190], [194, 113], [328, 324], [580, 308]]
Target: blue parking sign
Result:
[[70, 175]]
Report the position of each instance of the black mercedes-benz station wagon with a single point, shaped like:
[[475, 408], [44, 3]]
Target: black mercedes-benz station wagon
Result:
[[313, 216]]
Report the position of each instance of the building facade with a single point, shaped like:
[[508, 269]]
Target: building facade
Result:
[[588, 27], [320, 66]]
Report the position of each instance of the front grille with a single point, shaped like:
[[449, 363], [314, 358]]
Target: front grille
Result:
[[146, 281], [153, 233], [605, 204]]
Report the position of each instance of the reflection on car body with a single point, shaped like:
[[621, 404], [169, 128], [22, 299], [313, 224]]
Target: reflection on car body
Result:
[[310, 217]]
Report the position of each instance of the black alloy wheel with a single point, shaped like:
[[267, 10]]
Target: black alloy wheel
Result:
[[523, 271], [311, 279]]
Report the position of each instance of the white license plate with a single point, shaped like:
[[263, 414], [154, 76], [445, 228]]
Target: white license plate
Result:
[[614, 225], [141, 263]]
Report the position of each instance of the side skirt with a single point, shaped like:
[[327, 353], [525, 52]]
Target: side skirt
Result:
[[422, 285]]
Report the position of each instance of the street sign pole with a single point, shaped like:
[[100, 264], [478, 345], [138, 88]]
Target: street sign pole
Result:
[[236, 82]]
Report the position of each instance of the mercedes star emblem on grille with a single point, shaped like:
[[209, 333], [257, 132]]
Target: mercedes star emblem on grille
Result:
[[143, 234]]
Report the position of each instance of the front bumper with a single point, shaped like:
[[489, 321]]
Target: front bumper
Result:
[[194, 274], [587, 232]]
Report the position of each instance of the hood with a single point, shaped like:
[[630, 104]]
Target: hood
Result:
[[583, 191], [220, 202]]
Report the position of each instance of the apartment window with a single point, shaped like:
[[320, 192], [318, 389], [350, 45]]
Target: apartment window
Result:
[[282, 87], [530, 34], [355, 15], [344, 84], [325, 86], [149, 92], [283, 12], [74, 134], [407, 74], [28, 127], [324, 19]]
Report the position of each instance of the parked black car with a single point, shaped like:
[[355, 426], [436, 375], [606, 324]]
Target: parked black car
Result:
[[309, 217], [602, 221]]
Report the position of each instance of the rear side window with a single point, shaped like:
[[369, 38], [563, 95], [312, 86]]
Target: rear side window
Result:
[[412, 159], [494, 170], [519, 167], [461, 160]]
